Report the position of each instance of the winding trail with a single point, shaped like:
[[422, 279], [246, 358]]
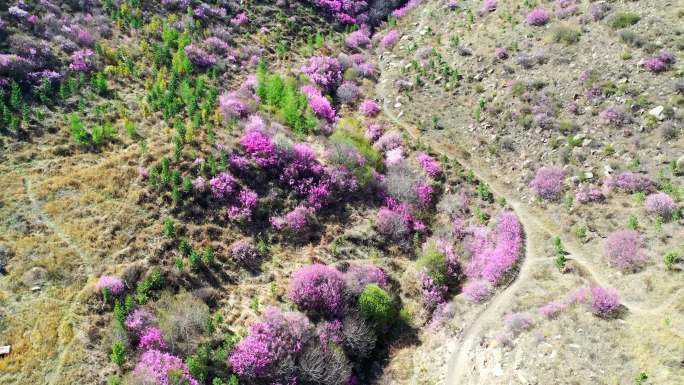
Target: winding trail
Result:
[[537, 231]]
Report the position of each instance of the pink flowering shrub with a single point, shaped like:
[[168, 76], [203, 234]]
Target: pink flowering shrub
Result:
[[493, 257], [425, 193], [277, 338], [392, 224], [112, 285], [390, 39], [245, 205], [660, 204], [199, 57], [244, 253], [199, 184], [369, 108], [82, 60], [517, 322], [319, 104], [358, 277], [231, 105], [537, 17], [548, 182], [239, 19], [630, 182], [433, 293], [138, 320], [661, 62], [477, 291], [389, 141], [260, 148], [623, 250], [551, 309], [487, 7], [394, 157], [614, 117], [222, 185], [345, 11], [318, 288], [359, 38], [401, 12], [374, 131], [429, 165], [588, 195], [330, 332], [161, 367], [151, 338], [324, 71], [605, 302]]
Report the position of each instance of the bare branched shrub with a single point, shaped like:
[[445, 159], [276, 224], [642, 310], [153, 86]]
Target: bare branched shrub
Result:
[[325, 366], [359, 338], [182, 319], [402, 182]]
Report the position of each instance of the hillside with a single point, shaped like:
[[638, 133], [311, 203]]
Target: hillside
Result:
[[341, 192]]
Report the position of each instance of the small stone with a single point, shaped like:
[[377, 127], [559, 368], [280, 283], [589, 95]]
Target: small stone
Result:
[[657, 112], [5, 350], [680, 165]]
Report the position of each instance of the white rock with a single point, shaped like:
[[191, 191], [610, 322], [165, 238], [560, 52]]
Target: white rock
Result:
[[657, 112], [5, 350]]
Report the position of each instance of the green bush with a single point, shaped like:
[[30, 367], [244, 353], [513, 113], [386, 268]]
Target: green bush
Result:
[[376, 305], [118, 353], [78, 131], [435, 263], [624, 19], [565, 34]]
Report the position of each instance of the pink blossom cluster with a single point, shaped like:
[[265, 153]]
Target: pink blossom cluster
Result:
[[275, 338], [113, 285], [429, 165], [324, 71], [222, 185], [566, 8], [433, 293], [232, 105], [615, 117], [660, 62], [605, 302], [244, 253], [390, 39], [318, 288], [330, 332], [296, 221], [345, 11], [260, 148], [488, 6], [358, 277], [548, 182], [359, 38], [623, 250], [239, 19], [151, 338], [157, 366], [246, 203], [537, 17], [401, 12], [138, 320], [319, 104], [199, 57], [492, 257], [552, 309], [425, 194], [589, 195], [630, 182], [660, 204], [478, 291], [82, 60], [369, 108], [374, 131]]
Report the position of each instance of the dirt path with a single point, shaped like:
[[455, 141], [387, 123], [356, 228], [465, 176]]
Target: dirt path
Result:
[[538, 229]]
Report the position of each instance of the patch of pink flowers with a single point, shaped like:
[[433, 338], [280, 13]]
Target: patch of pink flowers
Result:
[[358, 277], [318, 288], [623, 250], [492, 259], [82, 60], [588, 195], [239, 19], [369, 108], [401, 12], [319, 104], [537, 17], [548, 182], [631, 182], [222, 185], [389, 39], [605, 302], [324, 71], [425, 193], [551, 309], [477, 291], [359, 38], [112, 284], [151, 338], [139, 319], [660, 204], [429, 165], [155, 365]]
